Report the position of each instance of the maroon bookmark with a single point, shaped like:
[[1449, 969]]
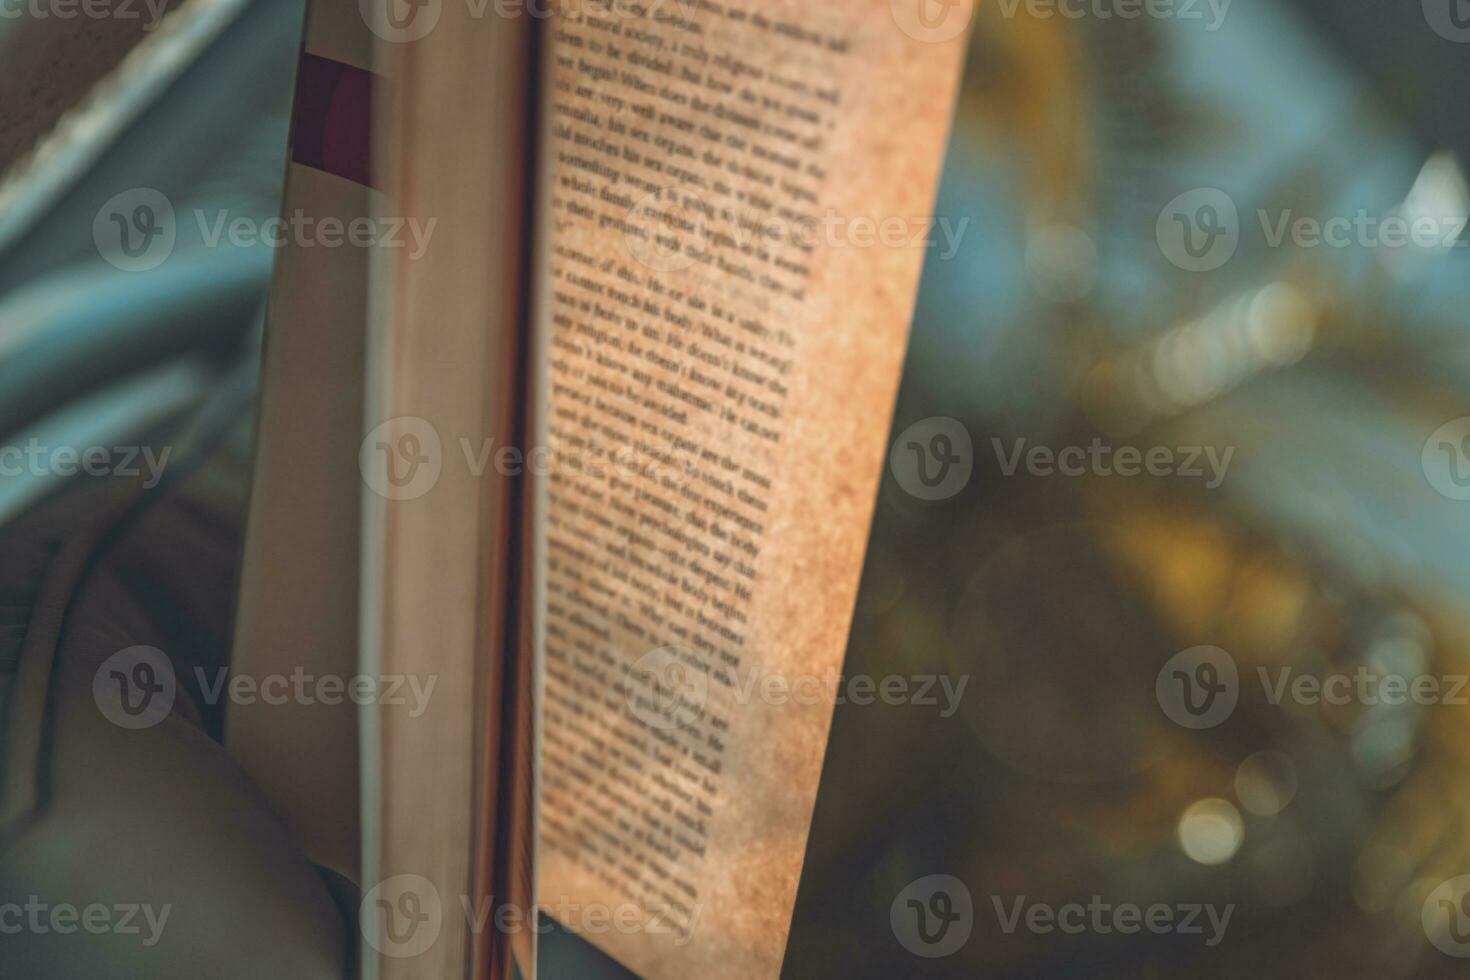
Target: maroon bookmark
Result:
[[332, 128]]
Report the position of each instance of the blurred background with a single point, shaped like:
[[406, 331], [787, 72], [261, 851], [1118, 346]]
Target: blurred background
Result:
[[1334, 543], [1120, 282]]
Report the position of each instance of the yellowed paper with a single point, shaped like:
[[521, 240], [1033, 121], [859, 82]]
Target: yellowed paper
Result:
[[739, 200]]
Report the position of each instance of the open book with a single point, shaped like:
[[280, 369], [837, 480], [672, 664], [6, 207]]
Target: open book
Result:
[[579, 459]]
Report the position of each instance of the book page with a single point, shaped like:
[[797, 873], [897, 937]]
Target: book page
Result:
[[298, 606], [737, 203]]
